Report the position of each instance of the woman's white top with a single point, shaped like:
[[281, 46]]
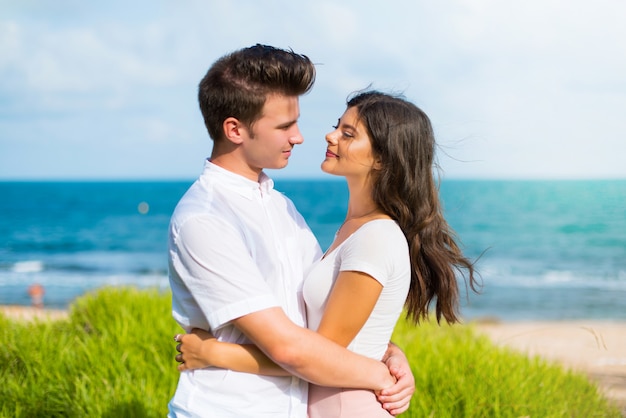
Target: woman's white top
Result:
[[379, 249]]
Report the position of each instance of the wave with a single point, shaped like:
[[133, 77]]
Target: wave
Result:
[[507, 276], [32, 266], [81, 281], [89, 264]]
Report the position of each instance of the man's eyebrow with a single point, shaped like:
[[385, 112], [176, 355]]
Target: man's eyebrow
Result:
[[287, 124]]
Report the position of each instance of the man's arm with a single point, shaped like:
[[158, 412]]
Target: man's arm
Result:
[[200, 349], [348, 308], [300, 351], [309, 355]]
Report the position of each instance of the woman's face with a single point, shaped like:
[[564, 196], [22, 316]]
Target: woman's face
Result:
[[349, 151]]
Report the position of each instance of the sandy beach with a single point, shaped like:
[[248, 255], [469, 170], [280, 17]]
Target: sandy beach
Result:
[[596, 348], [27, 313]]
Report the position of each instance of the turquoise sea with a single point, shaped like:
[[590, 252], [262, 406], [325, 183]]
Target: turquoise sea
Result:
[[547, 250]]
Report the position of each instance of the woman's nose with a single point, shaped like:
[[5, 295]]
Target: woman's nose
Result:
[[331, 137]]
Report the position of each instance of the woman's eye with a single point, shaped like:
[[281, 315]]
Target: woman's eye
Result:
[[335, 126]]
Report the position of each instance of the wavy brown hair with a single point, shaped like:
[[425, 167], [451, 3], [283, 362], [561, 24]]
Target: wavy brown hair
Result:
[[404, 188], [238, 84]]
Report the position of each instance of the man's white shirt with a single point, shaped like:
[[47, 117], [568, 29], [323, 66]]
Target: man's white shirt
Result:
[[237, 246]]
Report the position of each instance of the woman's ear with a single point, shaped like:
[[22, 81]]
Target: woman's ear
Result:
[[234, 130]]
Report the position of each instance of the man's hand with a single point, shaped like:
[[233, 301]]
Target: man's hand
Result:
[[396, 398]]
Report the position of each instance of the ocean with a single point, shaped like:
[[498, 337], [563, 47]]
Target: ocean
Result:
[[545, 250]]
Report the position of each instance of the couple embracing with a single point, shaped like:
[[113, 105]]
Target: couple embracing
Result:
[[275, 327]]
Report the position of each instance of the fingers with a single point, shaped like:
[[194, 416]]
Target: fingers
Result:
[[398, 411], [179, 357], [397, 403], [396, 393], [405, 383], [400, 394], [396, 398]]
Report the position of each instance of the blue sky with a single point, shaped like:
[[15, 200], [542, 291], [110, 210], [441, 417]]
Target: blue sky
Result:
[[533, 89]]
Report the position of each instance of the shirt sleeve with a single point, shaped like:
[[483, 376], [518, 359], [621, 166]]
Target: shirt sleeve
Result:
[[375, 249], [218, 270]]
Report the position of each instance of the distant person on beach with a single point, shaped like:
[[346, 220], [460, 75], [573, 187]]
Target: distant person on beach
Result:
[[394, 250], [238, 251], [36, 292]]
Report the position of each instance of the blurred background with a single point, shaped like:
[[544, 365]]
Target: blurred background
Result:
[[100, 134], [532, 89]]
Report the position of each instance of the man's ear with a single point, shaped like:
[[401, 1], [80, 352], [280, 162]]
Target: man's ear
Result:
[[234, 130]]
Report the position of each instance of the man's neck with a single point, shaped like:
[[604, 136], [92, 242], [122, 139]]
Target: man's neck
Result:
[[234, 165]]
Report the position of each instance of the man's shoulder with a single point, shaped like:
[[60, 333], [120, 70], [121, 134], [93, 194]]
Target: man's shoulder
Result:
[[198, 201], [194, 197]]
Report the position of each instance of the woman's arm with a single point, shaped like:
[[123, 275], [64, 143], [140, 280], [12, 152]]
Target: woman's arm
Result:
[[200, 349], [349, 305]]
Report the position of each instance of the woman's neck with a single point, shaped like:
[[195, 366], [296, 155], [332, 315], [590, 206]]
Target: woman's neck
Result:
[[360, 203]]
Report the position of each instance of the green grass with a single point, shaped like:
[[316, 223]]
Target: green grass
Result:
[[114, 357], [459, 374]]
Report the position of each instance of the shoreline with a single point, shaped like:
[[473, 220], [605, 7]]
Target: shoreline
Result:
[[30, 313], [596, 348]]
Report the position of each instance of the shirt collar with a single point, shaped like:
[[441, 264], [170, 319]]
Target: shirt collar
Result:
[[236, 182]]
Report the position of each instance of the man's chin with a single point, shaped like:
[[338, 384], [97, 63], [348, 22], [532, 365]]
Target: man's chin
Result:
[[278, 166]]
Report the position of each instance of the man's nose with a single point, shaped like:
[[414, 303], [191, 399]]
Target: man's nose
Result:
[[296, 138]]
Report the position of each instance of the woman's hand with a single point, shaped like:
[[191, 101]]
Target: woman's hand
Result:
[[194, 349]]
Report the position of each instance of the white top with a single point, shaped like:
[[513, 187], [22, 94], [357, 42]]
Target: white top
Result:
[[379, 249], [236, 246]]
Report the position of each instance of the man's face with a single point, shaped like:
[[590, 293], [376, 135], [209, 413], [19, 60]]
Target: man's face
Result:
[[274, 134]]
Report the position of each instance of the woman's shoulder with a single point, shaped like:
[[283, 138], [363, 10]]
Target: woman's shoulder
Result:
[[382, 230], [380, 244], [387, 225]]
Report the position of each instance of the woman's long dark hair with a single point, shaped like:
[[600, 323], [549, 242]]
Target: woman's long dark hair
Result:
[[404, 188]]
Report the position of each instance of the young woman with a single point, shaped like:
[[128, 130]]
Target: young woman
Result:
[[394, 250]]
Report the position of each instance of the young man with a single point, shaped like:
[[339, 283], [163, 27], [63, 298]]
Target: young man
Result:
[[238, 249]]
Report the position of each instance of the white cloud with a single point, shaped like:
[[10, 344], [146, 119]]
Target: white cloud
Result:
[[527, 89]]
